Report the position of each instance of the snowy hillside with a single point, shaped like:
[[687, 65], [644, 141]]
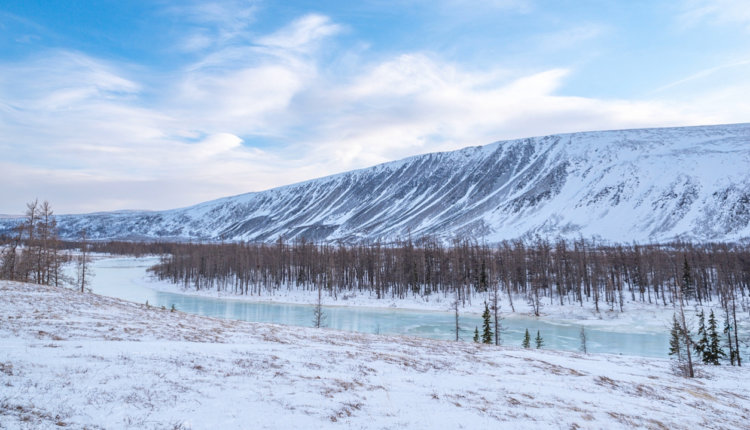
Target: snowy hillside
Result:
[[79, 360], [647, 185]]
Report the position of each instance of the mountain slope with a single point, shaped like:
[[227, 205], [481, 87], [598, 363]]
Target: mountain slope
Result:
[[646, 185]]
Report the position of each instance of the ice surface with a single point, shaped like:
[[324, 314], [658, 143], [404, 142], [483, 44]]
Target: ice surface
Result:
[[641, 330]]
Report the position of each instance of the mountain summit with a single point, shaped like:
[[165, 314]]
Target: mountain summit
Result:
[[646, 185]]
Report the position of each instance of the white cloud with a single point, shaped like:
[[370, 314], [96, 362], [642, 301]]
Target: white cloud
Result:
[[215, 23], [239, 99], [302, 33], [717, 12], [63, 79], [572, 37], [216, 144]]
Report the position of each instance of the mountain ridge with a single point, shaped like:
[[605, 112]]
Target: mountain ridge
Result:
[[645, 185]]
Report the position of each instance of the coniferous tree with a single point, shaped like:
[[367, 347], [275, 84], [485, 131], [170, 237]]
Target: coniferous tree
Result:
[[526, 340], [486, 328], [674, 339], [701, 347], [715, 352], [538, 339], [476, 334]]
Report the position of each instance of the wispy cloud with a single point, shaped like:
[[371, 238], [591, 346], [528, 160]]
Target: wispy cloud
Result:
[[716, 12], [571, 37], [214, 23], [705, 73], [302, 33]]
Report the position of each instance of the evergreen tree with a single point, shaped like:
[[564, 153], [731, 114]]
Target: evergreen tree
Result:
[[526, 340], [674, 339], [487, 334], [538, 339], [476, 334], [701, 347], [714, 350]]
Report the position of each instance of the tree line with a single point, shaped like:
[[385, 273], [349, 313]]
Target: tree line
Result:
[[543, 272], [540, 272]]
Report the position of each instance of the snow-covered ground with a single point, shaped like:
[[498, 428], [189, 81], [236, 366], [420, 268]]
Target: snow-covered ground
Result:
[[83, 360]]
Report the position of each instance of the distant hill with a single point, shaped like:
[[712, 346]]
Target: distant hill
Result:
[[646, 185]]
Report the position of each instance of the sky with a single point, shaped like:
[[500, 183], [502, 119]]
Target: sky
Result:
[[110, 104]]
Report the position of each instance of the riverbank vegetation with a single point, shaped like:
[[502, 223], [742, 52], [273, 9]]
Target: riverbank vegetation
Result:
[[566, 273]]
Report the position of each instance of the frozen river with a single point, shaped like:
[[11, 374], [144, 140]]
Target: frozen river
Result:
[[125, 278]]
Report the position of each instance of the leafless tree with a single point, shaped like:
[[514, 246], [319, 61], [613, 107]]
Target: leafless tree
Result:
[[83, 263], [319, 316], [582, 336]]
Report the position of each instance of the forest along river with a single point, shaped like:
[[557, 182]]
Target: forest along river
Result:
[[126, 278]]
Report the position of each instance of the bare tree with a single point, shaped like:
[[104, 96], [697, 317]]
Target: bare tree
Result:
[[455, 305], [582, 335], [685, 334], [495, 307], [319, 317], [26, 265], [39, 260], [83, 262], [8, 269]]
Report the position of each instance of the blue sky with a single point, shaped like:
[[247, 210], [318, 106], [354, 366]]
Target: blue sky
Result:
[[109, 105]]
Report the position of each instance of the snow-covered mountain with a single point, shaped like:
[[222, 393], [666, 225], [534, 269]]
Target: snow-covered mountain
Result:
[[647, 185]]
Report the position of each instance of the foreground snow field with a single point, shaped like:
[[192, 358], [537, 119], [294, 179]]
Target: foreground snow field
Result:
[[83, 360]]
